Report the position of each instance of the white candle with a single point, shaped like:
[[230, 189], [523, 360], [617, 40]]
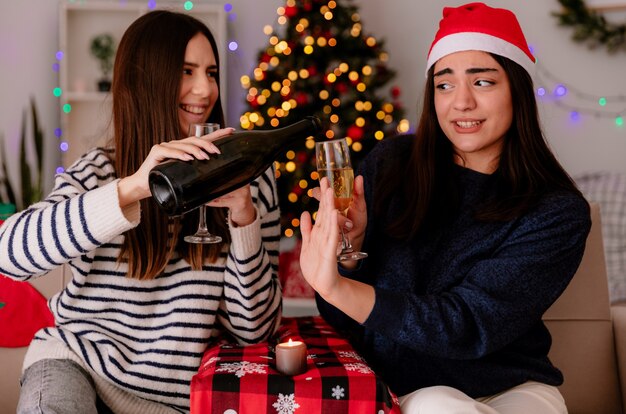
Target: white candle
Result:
[[291, 357]]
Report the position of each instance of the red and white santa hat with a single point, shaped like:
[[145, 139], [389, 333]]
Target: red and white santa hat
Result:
[[476, 26]]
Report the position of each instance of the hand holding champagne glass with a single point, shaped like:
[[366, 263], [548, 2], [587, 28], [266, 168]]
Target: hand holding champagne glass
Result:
[[202, 235], [333, 162]]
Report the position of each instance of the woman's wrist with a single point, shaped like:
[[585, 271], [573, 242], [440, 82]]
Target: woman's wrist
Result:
[[244, 216], [354, 298], [129, 191]]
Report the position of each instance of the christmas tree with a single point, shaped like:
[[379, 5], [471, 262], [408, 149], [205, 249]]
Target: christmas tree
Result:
[[321, 63]]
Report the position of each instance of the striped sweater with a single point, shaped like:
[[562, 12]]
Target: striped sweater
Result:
[[141, 340]]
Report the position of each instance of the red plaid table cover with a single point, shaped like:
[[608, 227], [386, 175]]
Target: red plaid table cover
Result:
[[233, 379]]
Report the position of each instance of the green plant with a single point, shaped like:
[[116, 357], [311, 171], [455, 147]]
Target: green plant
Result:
[[103, 49], [31, 187], [590, 26]]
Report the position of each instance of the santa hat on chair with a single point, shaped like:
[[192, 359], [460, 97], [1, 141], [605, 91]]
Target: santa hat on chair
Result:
[[476, 26]]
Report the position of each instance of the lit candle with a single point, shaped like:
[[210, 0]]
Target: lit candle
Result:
[[291, 357]]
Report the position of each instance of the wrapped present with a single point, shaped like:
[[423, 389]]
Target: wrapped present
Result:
[[244, 379]]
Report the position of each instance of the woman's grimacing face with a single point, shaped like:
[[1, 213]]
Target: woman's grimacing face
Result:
[[474, 107], [198, 86]]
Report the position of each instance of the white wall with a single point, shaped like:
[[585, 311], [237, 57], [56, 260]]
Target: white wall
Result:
[[28, 42]]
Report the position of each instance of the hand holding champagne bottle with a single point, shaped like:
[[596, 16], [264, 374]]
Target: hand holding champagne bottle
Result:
[[180, 186]]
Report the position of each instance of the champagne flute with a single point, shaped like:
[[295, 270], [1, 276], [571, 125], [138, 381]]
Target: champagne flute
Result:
[[202, 235], [333, 162]]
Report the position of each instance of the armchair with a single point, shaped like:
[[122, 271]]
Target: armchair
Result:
[[589, 335]]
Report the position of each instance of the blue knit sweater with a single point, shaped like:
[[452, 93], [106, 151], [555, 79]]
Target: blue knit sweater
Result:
[[463, 307]]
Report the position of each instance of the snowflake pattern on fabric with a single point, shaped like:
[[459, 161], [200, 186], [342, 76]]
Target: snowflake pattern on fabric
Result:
[[350, 354], [286, 404], [211, 361], [240, 369], [338, 392], [358, 367]]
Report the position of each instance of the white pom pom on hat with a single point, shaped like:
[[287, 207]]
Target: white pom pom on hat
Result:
[[476, 26]]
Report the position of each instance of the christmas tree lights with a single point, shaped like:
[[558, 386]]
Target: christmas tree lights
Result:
[[319, 61]]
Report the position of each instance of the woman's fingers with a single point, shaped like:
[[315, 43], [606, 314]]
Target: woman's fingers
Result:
[[321, 212], [358, 186], [220, 133], [316, 193], [358, 198], [328, 219], [186, 149], [200, 146], [305, 226], [163, 151], [194, 145]]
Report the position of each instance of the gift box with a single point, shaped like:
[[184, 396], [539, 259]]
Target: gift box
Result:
[[244, 380]]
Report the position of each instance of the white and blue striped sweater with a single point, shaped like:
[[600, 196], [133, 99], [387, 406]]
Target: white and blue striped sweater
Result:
[[140, 338]]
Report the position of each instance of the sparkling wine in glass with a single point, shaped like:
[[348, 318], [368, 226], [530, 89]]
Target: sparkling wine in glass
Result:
[[202, 235], [333, 162]]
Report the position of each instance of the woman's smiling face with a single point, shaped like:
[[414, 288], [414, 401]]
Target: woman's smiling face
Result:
[[198, 86]]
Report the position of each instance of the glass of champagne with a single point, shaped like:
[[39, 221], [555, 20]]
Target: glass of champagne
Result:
[[202, 235], [333, 162]]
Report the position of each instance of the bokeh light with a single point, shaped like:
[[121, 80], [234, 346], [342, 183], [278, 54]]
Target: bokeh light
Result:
[[560, 90]]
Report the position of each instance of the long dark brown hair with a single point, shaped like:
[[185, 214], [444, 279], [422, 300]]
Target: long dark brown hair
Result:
[[146, 83], [527, 167]]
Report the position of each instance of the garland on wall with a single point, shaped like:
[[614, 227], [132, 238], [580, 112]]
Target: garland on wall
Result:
[[591, 27]]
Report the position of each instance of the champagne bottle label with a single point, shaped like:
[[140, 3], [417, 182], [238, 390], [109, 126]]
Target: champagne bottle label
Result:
[[180, 186]]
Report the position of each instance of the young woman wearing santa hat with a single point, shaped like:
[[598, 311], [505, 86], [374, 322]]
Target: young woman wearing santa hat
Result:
[[473, 230]]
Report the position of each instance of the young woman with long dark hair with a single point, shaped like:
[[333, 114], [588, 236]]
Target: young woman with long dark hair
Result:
[[473, 230], [142, 305]]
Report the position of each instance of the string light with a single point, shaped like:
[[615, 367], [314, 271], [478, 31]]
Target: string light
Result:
[[600, 106], [57, 92]]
